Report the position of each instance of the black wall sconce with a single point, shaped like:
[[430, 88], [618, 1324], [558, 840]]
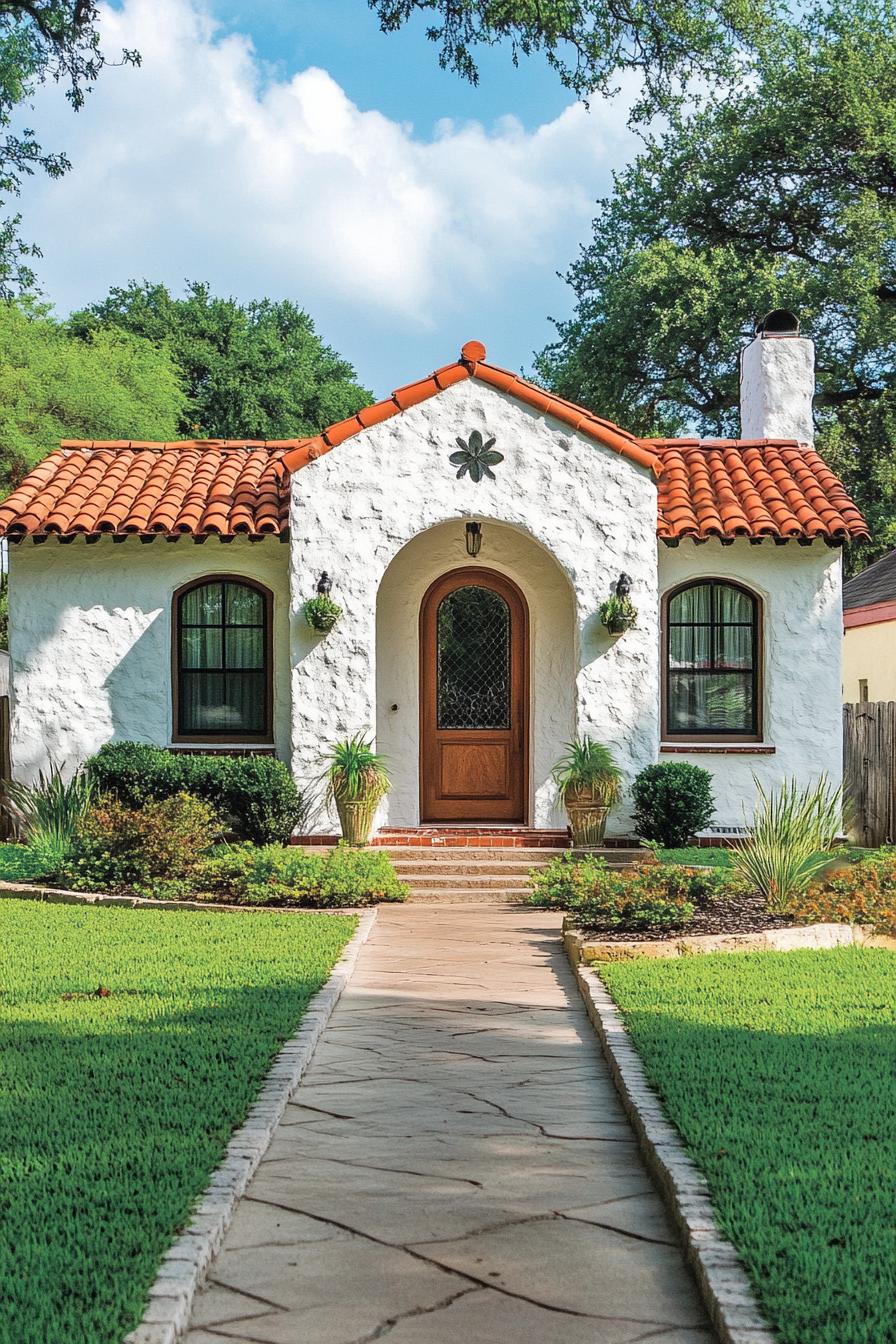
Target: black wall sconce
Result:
[[474, 538]]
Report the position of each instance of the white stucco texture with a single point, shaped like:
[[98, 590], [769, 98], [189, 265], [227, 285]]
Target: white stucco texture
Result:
[[568, 506], [90, 641], [801, 663], [777, 384]]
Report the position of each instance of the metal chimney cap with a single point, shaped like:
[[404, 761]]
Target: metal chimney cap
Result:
[[779, 322]]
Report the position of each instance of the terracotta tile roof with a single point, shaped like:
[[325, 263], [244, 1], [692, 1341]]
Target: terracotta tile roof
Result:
[[750, 488], [146, 488], [472, 365], [714, 488]]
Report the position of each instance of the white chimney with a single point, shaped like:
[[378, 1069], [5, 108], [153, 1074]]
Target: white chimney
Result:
[[777, 381]]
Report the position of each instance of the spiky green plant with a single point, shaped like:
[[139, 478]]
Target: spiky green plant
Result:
[[47, 813], [356, 771], [789, 832], [588, 765]]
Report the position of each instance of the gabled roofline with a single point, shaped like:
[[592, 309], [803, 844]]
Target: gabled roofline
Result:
[[472, 364]]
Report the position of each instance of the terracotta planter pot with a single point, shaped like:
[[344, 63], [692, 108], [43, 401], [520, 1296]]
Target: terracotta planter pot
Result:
[[356, 818], [587, 814]]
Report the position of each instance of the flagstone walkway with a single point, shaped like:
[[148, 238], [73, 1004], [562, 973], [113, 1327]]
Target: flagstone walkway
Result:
[[455, 1166]]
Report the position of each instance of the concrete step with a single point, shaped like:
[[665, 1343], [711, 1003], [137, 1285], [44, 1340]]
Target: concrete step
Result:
[[450, 881], [468, 896]]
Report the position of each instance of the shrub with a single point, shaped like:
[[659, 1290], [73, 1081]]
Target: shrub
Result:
[[120, 848], [650, 896], [47, 813], [865, 894], [254, 796], [286, 875], [673, 800], [790, 831]]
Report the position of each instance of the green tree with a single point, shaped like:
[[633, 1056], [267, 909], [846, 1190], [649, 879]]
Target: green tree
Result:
[[255, 370], [588, 42], [781, 194], [40, 40], [54, 386]]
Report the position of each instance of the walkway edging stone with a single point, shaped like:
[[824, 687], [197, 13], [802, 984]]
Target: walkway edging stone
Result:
[[184, 1266], [724, 1286], [590, 948]]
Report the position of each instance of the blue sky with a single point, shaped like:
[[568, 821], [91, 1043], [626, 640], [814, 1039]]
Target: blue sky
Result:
[[292, 150]]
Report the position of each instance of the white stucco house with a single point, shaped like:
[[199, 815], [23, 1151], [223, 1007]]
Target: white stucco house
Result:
[[471, 525]]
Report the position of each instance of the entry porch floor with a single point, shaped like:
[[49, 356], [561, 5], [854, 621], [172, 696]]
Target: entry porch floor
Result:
[[455, 1164]]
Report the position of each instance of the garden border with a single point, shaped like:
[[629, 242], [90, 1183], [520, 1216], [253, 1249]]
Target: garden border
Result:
[[585, 949], [721, 1278], [33, 891], [183, 1267]]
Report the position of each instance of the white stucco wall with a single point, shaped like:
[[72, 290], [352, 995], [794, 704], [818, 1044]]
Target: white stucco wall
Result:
[[354, 509], [552, 650], [90, 641], [802, 636], [777, 384]]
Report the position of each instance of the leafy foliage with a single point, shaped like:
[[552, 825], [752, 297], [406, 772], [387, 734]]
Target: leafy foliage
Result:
[[322, 612], [588, 765], [39, 40], [673, 800], [775, 1069], [863, 893], [256, 370], [54, 386], [118, 1108], [255, 797], [120, 848], [588, 42], [791, 828], [284, 875], [618, 613], [778, 192], [356, 771], [650, 896], [49, 813]]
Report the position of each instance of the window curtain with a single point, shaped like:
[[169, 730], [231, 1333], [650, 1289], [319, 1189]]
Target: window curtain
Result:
[[223, 677], [711, 679]]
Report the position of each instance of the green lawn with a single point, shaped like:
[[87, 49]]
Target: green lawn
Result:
[[114, 1110], [780, 1071], [702, 856]]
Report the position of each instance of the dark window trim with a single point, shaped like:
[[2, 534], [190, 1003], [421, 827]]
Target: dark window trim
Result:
[[266, 735], [698, 735]]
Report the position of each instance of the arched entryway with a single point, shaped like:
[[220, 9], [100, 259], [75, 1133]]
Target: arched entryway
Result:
[[474, 699]]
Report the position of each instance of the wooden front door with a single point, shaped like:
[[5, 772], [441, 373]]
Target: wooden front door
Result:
[[474, 663]]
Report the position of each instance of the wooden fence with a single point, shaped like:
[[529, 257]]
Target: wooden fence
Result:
[[869, 770]]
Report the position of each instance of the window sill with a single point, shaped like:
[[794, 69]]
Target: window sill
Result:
[[717, 748]]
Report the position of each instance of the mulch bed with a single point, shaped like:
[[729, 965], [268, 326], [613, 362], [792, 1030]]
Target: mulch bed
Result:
[[737, 914]]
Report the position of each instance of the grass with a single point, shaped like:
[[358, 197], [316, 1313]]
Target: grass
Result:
[[778, 1069], [18, 863], [695, 854], [114, 1110]]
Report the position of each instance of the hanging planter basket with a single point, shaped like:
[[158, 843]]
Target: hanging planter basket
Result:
[[322, 613], [618, 614]]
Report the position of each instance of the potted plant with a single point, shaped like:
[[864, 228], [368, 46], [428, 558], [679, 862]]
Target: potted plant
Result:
[[590, 782], [322, 612], [356, 781], [618, 613]]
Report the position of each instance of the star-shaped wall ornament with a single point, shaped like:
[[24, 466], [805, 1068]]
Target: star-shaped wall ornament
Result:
[[476, 456]]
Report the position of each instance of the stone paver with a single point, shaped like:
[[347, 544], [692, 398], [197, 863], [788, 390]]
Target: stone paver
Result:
[[455, 1165]]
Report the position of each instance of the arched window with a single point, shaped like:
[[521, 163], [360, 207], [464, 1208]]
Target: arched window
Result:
[[222, 657], [712, 662]]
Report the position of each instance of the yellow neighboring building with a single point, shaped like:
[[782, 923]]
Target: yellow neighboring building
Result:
[[869, 633]]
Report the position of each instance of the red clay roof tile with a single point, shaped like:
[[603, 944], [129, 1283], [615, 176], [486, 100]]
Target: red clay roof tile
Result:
[[706, 488]]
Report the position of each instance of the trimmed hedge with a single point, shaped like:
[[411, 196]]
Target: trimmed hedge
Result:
[[673, 800], [255, 797]]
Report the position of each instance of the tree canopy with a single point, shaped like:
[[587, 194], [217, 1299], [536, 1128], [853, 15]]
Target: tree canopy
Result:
[[40, 40], [54, 386], [780, 194], [255, 370], [589, 42]]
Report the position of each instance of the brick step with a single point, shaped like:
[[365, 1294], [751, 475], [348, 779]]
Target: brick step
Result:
[[483, 837]]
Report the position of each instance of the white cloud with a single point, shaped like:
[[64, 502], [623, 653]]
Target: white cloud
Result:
[[200, 165]]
